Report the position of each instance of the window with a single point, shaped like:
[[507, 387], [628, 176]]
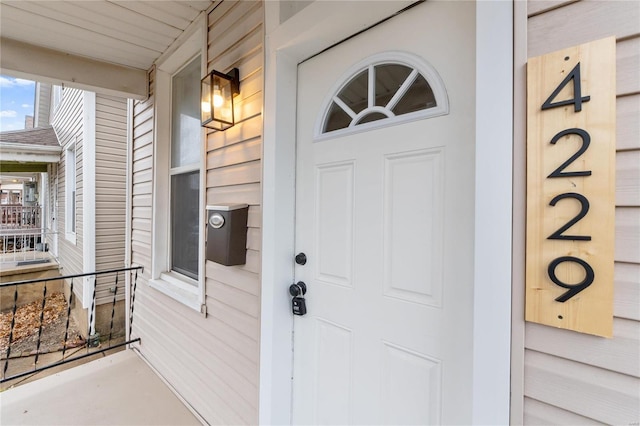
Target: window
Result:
[[70, 193], [185, 169], [384, 89], [177, 257]]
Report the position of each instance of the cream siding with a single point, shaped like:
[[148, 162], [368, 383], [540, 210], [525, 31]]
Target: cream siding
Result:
[[574, 378], [142, 180], [111, 177], [68, 125], [43, 105], [211, 361]]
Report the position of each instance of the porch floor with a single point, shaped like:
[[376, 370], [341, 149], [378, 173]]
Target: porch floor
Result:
[[27, 262], [119, 389]]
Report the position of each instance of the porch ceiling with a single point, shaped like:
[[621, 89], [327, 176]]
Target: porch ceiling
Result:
[[100, 38], [22, 167]]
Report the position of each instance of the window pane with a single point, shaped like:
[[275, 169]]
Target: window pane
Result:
[[336, 119], [185, 115], [356, 93], [185, 210], [418, 97], [409, 90], [72, 219], [389, 78]]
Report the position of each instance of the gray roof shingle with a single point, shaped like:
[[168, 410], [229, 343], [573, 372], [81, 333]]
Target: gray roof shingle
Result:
[[42, 136]]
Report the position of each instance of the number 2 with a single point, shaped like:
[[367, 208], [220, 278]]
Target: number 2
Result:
[[584, 209], [586, 140]]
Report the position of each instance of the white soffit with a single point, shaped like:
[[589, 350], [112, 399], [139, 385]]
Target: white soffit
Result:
[[126, 37]]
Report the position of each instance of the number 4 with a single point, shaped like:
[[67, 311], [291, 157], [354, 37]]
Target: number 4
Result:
[[577, 93]]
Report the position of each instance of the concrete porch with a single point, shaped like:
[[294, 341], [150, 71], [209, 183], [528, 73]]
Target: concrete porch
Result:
[[119, 389], [27, 265]]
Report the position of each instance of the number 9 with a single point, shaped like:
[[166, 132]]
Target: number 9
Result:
[[573, 288]]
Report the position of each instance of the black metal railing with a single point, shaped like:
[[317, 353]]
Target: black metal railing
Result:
[[25, 324]]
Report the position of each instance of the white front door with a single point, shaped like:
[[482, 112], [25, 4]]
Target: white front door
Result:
[[384, 215]]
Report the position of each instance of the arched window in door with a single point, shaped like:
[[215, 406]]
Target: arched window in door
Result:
[[382, 90]]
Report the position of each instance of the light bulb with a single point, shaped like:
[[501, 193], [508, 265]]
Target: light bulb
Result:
[[218, 100]]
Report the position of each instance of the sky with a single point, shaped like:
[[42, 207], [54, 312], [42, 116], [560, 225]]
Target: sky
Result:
[[16, 101]]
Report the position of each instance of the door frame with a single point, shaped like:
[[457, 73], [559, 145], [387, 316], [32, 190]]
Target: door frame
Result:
[[304, 35]]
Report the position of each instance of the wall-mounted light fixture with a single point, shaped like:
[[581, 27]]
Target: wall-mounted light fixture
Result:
[[216, 95]]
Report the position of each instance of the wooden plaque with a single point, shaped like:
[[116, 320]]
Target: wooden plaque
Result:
[[571, 128]]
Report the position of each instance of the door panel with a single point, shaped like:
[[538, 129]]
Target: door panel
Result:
[[413, 226], [410, 387], [333, 381], [385, 217], [334, 226]]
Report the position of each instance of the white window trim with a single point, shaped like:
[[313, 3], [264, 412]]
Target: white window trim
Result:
[[183, 289], [69, 234]]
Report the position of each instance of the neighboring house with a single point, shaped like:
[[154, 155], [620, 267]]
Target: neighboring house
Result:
[[413, 230], [29, 153], [87, 190], [25, 158], [78, 157]]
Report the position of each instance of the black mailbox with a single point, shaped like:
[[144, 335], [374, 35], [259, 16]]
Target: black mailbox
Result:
[[227, 234]]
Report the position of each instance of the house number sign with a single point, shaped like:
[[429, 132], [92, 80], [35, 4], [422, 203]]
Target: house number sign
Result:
[[571, 188]]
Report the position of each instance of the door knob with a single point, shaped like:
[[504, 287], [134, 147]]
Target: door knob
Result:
[[301, 258], [298, 289]]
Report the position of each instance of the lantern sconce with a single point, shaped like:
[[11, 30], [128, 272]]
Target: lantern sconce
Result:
[[216, 96]]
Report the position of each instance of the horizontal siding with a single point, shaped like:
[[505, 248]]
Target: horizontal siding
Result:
[[240, 153], [111, 178], [627, 66], [142, 173], [211, 361], [199, 351], [248, 193], [628, 125], [581, 22], [628, 178], [627, 291], [573, 378], [627, 235], [619, 354], [539, 413], [244, 280], [536, 7], [68, 124], [41, 114], [602, 395], [247, 130], [234, 171]]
